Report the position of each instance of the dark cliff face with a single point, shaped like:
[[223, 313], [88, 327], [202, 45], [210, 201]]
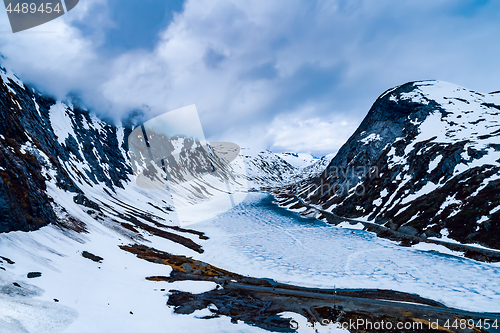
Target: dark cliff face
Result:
[[425, 161], [31, 154], [24, 204]]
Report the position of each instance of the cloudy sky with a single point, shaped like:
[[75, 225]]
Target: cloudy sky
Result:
[[283, 75]]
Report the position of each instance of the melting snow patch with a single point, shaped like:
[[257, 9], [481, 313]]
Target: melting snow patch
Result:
[[449, 201], [435, 162], [370, 138], [194, 287], [482, 219], [37, 107], [415, 96], [347, 225], [427, 188], [436, 248], [494, 210], [61, 123]]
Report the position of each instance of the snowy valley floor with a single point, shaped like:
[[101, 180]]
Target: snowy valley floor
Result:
[[256, 239], [262, 240]]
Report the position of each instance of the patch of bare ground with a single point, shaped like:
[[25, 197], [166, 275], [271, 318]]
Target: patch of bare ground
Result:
[[70, 223], [258, 301], [133, 217]]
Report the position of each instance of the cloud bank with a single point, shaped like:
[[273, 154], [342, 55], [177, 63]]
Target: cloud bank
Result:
[[280, 75]]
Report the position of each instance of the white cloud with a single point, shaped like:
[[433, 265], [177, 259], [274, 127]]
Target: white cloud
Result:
[[273, 74], [54, 56], [313, 135]]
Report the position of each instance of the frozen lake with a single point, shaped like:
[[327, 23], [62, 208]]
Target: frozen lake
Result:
[[260, 239]]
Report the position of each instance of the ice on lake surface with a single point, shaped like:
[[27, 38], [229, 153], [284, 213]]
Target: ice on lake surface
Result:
[[258, 238]]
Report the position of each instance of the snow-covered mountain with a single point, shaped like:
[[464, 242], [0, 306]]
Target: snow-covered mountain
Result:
[[267, 169], [425, 161], [66, 176], [298, 160], [76, 166], [61, 164]]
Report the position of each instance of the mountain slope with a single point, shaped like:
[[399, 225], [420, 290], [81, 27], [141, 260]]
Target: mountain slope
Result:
[[61, 164], [425, 161], [66, 177], [298, 160]]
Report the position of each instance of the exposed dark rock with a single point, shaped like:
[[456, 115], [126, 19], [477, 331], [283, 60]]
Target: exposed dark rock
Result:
[[91, 256], [32, 275], [83, 200], [8, 260]]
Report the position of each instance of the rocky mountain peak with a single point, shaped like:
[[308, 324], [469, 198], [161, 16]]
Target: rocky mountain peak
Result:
[[426, 158]]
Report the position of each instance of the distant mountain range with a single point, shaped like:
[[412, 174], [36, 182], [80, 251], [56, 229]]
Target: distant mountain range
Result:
[[299, 160], [268, 169]]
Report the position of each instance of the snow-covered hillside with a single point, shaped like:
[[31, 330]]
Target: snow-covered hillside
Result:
[[425, 161], [298, 160], [66, 176]]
